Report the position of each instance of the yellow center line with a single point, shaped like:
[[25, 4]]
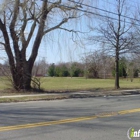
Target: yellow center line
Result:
[[71, 120]]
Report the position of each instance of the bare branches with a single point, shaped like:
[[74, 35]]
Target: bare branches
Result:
[[58, 25], [2, 43], [20, 21], [7, 44], [117, 34], [15, 14]]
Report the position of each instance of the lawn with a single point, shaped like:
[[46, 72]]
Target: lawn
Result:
[[4, 83], [72, 84], [61, 83]]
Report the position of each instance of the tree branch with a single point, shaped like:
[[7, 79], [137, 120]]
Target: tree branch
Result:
[[13, 32], [7, 45], [58, 26]]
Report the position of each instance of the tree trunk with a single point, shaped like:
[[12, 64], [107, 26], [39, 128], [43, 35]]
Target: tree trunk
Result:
[[117, 70], [21, 77]]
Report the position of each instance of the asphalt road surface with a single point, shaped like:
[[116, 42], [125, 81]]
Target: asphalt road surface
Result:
[[104, 118]]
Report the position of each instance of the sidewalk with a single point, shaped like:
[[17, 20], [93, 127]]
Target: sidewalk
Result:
[[80, 94]]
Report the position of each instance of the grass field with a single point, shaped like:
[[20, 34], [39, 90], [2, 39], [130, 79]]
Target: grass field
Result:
[[72, 84], [4, 83], [55, 83]]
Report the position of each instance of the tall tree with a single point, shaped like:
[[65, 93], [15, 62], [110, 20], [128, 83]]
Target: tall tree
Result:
[[42, 17], [117, 33]]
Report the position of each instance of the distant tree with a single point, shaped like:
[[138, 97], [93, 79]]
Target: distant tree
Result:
[[40, 68], [93, 63], [60, 70], [51, 70], [98, 64], [136, 73], [133, 65], [131, 71], [57, 71], [122, 67], [76, 69], [63, 69], [64, 72], [5, 70]]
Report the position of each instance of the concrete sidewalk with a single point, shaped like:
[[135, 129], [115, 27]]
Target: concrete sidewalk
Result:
[[80, 94]]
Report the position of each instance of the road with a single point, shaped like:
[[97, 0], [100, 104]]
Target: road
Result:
[[104, 118]]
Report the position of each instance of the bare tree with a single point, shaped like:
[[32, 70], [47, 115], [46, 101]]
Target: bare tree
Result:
[[116, 32], [98, 64], [42, 17], [40, 68]]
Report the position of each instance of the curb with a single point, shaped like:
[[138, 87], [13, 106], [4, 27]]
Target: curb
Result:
[[58, 96]]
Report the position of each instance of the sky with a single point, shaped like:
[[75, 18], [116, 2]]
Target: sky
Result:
[[65, 49], [61, 46]]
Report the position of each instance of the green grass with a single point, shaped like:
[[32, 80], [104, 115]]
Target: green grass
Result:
[[4, 83], [72, 84], [60, 83]]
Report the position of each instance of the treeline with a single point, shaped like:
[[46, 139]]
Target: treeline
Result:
[[74, 69], [96, 65]]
